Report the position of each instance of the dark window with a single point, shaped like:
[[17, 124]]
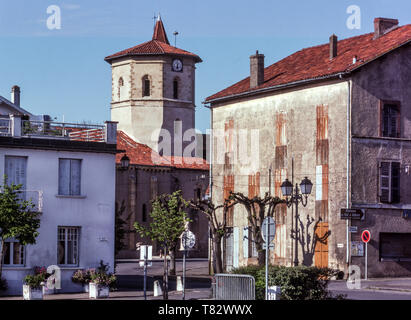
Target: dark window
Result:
[[395, 246], [390, 182], [390, 120], [175, 89], [144, 213], [146, 86], [197, 194]]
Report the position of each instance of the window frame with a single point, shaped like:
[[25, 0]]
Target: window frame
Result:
[[176, 87], [70, 194], [146, 86], [381, 118], [66, 228], [22, 258]]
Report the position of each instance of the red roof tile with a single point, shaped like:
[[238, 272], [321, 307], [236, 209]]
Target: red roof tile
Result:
[[141, 154], [159, 45], [314, 63]]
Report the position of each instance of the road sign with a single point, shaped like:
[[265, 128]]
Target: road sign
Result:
[[366, 236], [351, 214], [270, 246], [188, 240], [271, 229], [146, 253], [353, 229]]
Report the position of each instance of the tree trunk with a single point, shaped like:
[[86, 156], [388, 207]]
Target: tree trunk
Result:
[[217, 254], [1, 256], [261, 254], [165, 275], [173, 261]]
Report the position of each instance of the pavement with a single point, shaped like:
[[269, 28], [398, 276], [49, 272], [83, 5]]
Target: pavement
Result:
[[374, 289], [130, 282]]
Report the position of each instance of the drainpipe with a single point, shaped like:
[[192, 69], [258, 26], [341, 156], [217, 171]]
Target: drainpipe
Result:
[[210, 250], [348, 167]]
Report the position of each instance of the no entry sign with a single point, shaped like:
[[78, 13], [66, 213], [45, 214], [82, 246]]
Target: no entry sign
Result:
[[366, 236]]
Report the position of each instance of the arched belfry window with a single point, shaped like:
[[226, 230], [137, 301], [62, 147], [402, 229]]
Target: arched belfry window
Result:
[[120, 84], [175, 88], [146, 86]]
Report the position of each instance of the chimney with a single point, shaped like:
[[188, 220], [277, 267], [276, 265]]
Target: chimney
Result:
[[333, 46], [383, 26], [256, 70], [15, 95]]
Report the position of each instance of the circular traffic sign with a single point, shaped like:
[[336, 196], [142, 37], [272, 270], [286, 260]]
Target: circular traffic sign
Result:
[[188, 240], [271, 229], [366, 236]]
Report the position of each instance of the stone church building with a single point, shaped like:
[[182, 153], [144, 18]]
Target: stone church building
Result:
[[339, 114], [153, 101]]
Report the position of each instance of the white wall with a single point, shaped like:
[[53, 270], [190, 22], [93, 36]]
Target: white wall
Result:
[[93, 212]]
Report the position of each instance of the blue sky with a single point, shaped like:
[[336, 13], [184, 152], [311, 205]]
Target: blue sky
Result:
[[62, 72]]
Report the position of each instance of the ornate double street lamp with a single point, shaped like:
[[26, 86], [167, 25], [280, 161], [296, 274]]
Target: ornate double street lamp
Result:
[[295, 197]]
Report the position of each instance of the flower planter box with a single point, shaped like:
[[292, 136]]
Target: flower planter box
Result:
[[86, 287], [47, 291], [32, 294], [97, 291]]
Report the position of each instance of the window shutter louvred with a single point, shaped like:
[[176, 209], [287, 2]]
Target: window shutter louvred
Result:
[[385, 182]]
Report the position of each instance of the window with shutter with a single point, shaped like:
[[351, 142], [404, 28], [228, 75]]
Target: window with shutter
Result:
[[389, 182], [390, 120], [69, 177]]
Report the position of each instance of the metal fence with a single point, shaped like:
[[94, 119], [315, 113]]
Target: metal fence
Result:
[[71, 131], [234, 287], [5, 127]]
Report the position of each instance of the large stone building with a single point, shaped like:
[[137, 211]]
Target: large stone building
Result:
[[153, 101], [339, 114]]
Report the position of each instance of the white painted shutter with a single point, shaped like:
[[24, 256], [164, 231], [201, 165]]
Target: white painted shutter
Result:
[[15, 169], [64, 176], [75, 177], [236, 247], [245, 243]]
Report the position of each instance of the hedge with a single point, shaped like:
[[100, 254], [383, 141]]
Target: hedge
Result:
[[297, 283]]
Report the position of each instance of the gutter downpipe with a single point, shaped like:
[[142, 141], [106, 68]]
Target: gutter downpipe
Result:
[[348, 166], [210, 183]]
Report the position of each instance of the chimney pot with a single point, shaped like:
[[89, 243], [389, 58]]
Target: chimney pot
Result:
[[383, 26], [333, 46], [15, 95], [256, 70]]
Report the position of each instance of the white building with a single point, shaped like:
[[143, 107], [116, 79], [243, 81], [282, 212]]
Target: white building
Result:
[[69, 173]]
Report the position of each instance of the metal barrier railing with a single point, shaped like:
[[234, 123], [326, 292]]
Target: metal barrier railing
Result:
[[234, 287]]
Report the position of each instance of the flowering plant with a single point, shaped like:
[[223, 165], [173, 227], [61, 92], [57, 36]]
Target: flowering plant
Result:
[[101, 276], [38, 279], [83, 276]]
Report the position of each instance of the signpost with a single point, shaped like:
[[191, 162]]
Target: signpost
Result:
[[188, 241], [352, 214], [268, 234], [366, 237], [145, 255]]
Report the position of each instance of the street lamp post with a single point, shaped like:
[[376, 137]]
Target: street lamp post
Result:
[[295, 197]]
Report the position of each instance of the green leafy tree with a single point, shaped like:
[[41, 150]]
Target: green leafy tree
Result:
[[18, 219], [169, 220], [218, 226]]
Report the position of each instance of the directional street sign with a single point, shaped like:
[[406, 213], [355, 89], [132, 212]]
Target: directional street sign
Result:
[[351, 214], [271, 229], [366, 236]]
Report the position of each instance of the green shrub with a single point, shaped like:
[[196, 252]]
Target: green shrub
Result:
[[37, 279], [297, 283]]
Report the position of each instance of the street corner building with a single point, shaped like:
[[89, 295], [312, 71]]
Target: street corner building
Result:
[[68, 172], [339, 114], [153, 101]]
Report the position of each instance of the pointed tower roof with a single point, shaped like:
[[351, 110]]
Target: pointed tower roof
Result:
[[159, 31], [159, 45]]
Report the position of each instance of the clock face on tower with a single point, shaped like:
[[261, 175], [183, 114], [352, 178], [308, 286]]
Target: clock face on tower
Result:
[[177, 65]]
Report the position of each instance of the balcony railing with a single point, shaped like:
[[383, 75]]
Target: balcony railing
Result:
[[16, 127], [35, 196], [71, 131], [5, 127]]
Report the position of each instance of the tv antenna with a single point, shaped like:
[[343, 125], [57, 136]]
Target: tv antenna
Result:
[[175, 33]]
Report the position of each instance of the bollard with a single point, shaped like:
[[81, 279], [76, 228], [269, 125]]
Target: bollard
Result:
[[179, 284], [157, 288]]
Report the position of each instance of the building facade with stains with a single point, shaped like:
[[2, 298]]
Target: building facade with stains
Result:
[[338, 114]]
